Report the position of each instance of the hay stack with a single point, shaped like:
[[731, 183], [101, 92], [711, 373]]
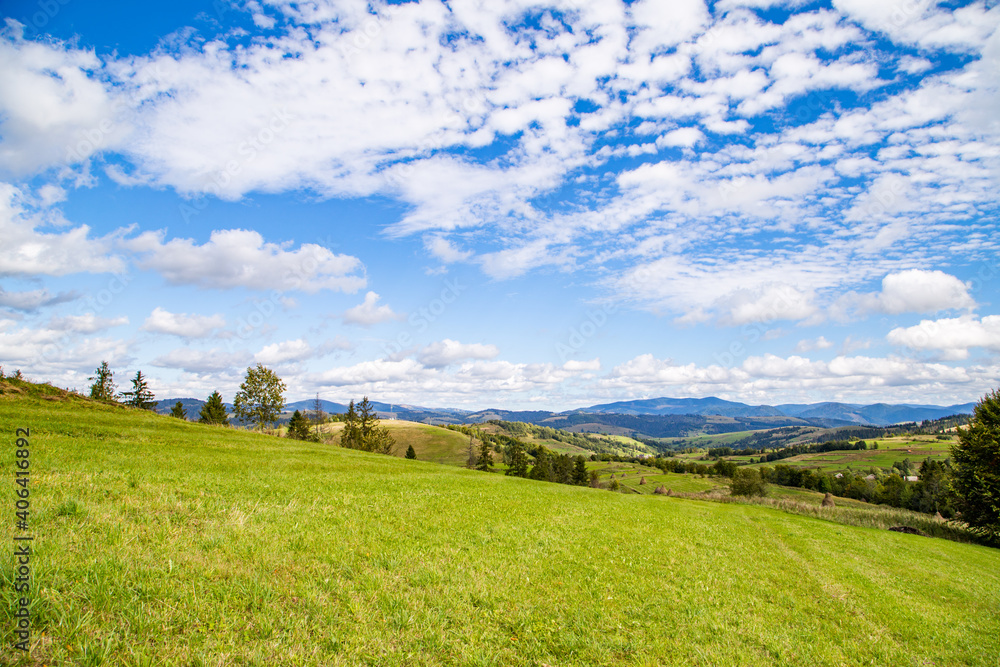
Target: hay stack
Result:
[[642, 481], [828, 500]]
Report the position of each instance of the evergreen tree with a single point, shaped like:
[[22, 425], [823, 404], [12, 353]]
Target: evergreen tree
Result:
[[580, 477], [214, 412], [485, 462], [178, 411], [542, 470], [410, 453], [518, 466], [261, 397], [363, 431], [298, 427], [977, 468], [104, 387], [351, 434], [140, 397]]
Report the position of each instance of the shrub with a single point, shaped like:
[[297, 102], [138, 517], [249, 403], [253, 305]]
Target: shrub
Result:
[[747, 482]]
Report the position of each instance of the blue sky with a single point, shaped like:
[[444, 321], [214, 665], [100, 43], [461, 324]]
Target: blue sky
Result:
[[505, 204]]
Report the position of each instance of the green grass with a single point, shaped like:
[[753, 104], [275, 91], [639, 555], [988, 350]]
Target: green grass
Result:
[[431, 443], [160, 542], [890, 451]]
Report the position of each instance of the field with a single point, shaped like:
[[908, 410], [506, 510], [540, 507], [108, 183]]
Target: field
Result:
[[890, 450], [431, 443], [161, 542]]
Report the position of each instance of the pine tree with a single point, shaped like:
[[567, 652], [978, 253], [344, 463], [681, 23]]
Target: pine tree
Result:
[[362, 430], [518, 460], [410, 453], [298, 427], [542, 470], [485, 462], [178, 411], [140, 397], [580, 477], [214, 412], [104, 387]]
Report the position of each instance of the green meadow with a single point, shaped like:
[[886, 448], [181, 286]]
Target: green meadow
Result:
[[162, 542], [890, 451]]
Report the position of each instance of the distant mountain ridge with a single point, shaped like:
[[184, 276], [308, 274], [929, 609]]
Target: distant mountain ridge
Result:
[[875, 414], [657, 417]]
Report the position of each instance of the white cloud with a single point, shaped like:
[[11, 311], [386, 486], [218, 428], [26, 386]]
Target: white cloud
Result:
[[54, 107], [30, 252], [447, 352], [770, 379], [820, 343], [581, 366], [87, 324], [369, 313], [769, 303], [33, 300], [182, 324], [954, 337], [241, 258], [910, 291], [293, 351], [919, 291], [214, 360]]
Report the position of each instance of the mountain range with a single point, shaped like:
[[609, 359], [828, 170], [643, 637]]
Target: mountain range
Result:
[[655, 417]]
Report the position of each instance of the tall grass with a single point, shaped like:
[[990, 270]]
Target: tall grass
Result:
[[873, 516]]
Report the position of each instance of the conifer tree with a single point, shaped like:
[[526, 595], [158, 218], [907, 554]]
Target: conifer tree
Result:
[[214, 412], [178, 411], [298, 427], [362, 430], [580, 477], [518, 460], [410, 453], [104, 386], [485, 461], [542, 470], [140, 397]]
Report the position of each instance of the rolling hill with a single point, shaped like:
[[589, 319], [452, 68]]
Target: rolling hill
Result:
[[168, 542]]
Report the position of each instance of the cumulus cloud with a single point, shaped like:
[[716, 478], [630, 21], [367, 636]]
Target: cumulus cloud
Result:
[[298, 350], [28, 251], [369, 313], [447, 352], [54, 107], [182, 324], [214, 360], [953, 337], [241, 258], [766, 378], [920, 291]]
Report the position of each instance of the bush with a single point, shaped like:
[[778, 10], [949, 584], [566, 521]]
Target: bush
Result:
[[747, 482]]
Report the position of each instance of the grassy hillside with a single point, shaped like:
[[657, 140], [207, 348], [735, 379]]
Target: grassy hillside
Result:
[[161, 542], [431, 443], [890, 450]]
